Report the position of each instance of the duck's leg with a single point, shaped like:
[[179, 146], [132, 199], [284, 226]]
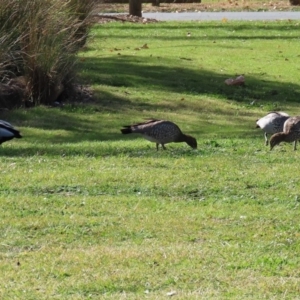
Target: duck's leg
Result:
[[295, 145], [266, 139], [157, 144], [163, 146]]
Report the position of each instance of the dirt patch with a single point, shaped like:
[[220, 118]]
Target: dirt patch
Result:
[[13, 95], [229, 5], [76, 93], [122, 18]]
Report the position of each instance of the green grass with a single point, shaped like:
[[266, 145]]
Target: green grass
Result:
[[87, 213]]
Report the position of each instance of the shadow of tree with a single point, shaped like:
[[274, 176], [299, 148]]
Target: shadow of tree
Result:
[[127, 71]]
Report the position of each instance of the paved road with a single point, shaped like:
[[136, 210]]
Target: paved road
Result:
[[212, 16]]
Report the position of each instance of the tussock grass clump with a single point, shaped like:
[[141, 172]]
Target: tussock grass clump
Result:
[[39, 42]]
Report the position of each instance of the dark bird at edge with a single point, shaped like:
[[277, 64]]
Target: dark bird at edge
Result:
[[8, 132]]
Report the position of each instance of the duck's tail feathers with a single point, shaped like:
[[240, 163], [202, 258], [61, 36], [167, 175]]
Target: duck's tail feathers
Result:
[[126, 130]]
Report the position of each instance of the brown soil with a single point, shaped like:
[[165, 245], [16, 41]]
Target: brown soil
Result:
[[229, 5], [13, 95], [122, 18]]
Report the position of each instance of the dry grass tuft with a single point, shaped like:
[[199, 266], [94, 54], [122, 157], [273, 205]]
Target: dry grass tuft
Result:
[[40, 40]]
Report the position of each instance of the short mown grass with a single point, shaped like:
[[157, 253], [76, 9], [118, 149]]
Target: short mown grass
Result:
[[87, 213]]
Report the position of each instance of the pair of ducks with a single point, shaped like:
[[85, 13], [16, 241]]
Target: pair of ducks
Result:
[[283, 127]]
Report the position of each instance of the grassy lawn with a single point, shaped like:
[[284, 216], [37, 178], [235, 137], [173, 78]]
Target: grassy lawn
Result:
[[87, 213]]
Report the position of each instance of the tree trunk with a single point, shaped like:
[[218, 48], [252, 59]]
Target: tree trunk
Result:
[[295, 2], [135, 8]]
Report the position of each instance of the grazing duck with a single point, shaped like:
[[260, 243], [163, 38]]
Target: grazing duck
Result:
[[272, 123], [160, 132], [290, 133], [8, 132]]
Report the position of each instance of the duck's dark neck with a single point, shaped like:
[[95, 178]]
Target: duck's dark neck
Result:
[[182, 138]]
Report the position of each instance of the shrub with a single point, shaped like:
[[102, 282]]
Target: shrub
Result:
[[40, 40]]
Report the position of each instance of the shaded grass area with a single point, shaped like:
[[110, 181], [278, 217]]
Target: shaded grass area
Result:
[[87, 213]]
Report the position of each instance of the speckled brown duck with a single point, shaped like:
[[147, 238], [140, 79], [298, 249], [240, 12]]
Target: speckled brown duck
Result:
[[272, 123], [291, 133], [160, 132]]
